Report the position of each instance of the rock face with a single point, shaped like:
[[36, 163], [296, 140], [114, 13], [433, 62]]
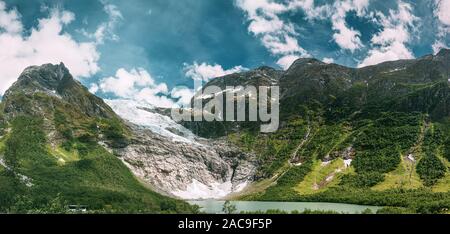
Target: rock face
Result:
[[159, 151], [51, 82], [420, 84], [208, 169], [174, 161]]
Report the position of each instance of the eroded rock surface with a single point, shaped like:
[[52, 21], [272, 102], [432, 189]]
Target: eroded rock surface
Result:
[[184, 165]]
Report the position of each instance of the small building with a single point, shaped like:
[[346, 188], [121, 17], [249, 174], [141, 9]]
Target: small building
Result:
[[78, 208]]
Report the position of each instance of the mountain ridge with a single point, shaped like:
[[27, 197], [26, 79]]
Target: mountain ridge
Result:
[[351, 134], [346, 135]]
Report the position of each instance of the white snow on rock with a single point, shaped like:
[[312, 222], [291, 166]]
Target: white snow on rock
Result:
[[347, 162], [395, 70], [25, 179], [229, 90], [176, 161], [197, 190], [411, 158], [160, 124]]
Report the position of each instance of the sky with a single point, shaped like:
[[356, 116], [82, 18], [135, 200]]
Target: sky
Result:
[[152, 51]]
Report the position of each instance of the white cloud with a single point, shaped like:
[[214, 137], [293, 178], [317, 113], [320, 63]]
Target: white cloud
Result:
[[282, 45], [286, 61], [94, 88], [10, 20], [276, 35], [106, 30], [442, 13], [138, 85], [347, 38], [280, 36], [128, 84], [46, 43], [328, 60], [391, 43], [311, 10], [438, 45], [206, 72], [263, 26], [183, 94], [154, 96]]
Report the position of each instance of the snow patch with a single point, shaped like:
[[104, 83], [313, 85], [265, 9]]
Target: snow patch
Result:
[[395, 70], [198, 190], [160, 124], [411, 158], [229, 90], [329, 178], [347, 162], [25, 179]]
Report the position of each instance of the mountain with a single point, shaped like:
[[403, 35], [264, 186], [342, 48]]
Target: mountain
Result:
[[374, 135], [61, 142], [53, 81], [175, 161], [378, 135], [56, 150]]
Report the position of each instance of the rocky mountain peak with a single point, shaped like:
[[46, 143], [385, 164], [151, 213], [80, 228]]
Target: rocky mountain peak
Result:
[[47, 78], [305, 61], [265, 69], [51, 83], [58, 69], [444, 53]]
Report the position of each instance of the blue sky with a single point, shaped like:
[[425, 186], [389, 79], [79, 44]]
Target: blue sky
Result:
[[151, 51]]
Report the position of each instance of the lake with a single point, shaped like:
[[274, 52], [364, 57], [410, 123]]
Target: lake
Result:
[[215, 207]]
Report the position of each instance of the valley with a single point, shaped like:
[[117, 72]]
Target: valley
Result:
[[375, 136]]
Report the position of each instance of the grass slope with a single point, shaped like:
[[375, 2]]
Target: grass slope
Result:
[[381, 174], [323, 176], [92, 177]]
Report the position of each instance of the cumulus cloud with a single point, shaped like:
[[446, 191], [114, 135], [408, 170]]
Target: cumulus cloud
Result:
[[183, 94], [442, 13], [347, 38], [46, 43], [286, 61], [311, 10], [126, 84], [328, 60], [206, 72], [136, 84], [276, 35], [391, 42], [10, 20], [106, 30], [280, 36], [438, 45], [93, 88]]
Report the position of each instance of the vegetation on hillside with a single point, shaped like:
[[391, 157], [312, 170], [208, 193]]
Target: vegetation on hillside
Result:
[[97, 179], [379, 143]]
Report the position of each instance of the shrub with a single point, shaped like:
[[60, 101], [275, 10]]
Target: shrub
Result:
[[430, 169], [362, 180]]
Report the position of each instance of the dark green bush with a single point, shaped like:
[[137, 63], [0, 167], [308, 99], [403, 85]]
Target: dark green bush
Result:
[[430, 169], [363, 179]]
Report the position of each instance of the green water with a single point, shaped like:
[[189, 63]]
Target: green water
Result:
[[215, 207]]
